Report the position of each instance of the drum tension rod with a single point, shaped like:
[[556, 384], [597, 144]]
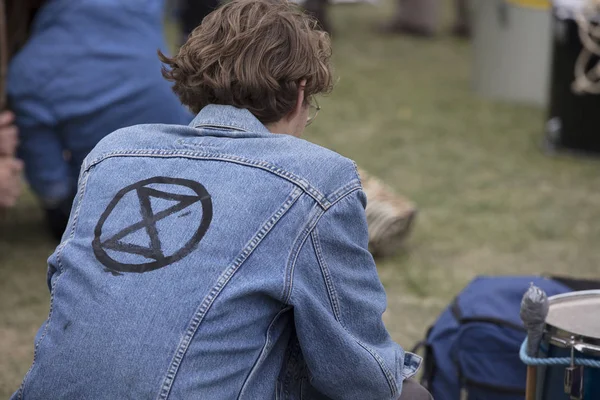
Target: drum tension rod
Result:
[[574, 376]]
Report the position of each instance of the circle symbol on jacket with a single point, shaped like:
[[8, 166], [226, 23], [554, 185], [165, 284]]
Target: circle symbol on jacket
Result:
[[116, 253]]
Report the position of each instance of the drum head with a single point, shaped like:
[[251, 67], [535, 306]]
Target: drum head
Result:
[[577, 313], [571, 5], [568, 9]]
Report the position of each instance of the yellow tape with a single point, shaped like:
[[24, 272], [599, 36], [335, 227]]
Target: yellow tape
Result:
[[537, 4]]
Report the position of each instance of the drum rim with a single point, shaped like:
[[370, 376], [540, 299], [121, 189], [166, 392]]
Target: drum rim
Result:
[[565, 339]]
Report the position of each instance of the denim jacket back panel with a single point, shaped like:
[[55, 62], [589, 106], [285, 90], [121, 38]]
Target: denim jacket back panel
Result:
[[191, 263]]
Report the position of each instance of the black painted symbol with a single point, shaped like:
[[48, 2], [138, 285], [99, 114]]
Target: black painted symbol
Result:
[[148, 222]]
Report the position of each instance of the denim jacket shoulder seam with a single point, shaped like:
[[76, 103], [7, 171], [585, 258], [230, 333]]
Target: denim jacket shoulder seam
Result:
[[299, 245], [351, 186], [264, 165], [222, 281], [54, 284], [262, 353], [343, 191]]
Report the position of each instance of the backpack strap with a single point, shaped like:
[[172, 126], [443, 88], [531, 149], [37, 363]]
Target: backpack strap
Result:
[[428, 359], [457, 313], [455, 310], [429, 366]]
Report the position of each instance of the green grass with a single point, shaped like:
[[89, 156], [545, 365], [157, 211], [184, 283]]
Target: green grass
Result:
[[490, 202]]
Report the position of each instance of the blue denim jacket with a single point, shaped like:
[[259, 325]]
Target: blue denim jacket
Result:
[[215, 261], [89, 68]]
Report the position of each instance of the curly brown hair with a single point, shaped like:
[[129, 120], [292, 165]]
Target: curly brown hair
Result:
[[252, 54]]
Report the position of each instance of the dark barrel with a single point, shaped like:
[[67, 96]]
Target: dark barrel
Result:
[[573, 118]]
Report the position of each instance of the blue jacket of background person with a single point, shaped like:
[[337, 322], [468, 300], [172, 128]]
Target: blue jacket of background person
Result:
[[216, 261], [90, 67]]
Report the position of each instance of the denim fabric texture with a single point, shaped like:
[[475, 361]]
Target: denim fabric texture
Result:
[[215, 261]]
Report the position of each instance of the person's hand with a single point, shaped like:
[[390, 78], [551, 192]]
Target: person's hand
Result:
[[9, 134], [10, 181]]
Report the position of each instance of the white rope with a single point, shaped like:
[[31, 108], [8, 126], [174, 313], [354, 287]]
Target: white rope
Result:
[[587, 78]]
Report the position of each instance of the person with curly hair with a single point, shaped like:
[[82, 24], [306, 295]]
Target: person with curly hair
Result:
[[227, 259]]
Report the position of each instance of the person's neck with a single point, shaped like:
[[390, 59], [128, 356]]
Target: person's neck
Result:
[[279, 127]]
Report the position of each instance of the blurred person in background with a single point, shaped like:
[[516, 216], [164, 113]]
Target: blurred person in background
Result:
[[15, 17], [421, 18], [10, 166], [83, 69]]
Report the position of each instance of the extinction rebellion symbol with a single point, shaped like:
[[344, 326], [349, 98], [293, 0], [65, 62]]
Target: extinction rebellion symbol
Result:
[[183, 197]]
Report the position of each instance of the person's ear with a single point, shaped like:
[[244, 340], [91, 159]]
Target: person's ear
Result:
[[299, 107]]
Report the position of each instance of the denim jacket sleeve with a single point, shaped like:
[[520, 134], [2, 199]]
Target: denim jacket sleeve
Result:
[[338, 304]]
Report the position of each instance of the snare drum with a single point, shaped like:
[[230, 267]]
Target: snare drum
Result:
[[572, 332]]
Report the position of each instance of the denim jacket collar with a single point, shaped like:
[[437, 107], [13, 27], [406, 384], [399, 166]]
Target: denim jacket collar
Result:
[[229, 118]]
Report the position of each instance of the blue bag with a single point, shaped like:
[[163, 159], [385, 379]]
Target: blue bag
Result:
[[473, 347]]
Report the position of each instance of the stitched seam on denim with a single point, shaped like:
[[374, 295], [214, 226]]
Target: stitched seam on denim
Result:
[[264, 349], [341, 192], [224, 278], [235, 128], [386, 371], [326, 276], [299, 244], [389, 376], [60, 268], [265, 165]]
